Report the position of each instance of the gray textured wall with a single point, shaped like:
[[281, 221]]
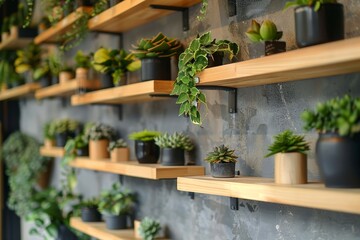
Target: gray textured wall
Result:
[[263, 111]]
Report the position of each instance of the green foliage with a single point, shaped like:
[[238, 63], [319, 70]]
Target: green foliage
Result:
[[99, 7], [5, 27], [338, 115], [286, 142], [149, 228], [158, 46], [176, 140], [41, 71], [116, 201], [71, 146], [28, 59], [49, 131], [267, 31], [90, 203], [100, 131], [221, 154], [55, 65], [203, 10], [144, 135], [8, 74], [65, 125], [192, 61], [314, 3], [120, 143], [82, 60]]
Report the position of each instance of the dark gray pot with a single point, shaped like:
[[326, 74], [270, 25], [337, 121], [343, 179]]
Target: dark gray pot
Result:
[[90, 214], [82, 152], [147, 152], [172, 156], [106, 80], [266, 48], [155, 69], [116, 222], [222, 170], [61, 139], [64, 233]]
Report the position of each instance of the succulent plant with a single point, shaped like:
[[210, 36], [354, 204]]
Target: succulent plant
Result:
[[267, 31], [176, 140], [149, 228], [99, 131], [144, 135], [314, 3], [65, 125], [221, 154], [158, 46], [120, 143], [286, 142]]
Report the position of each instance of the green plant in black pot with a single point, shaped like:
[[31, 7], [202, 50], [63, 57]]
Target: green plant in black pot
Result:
[[149, 228], [192, 61], [222, 162], [146, 150], [76, 147], [173, 147], [55, 66], [64, 129], [338, 147], [89, 210], [28, 59], [116, 204], [155, 56]]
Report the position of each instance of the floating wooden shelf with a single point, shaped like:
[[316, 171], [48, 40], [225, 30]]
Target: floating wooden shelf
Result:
[[135, 169], [335, 58], [134, 13], [18, 92], [53, 34], [136, 92], [52, 152], [312, 195], [18, 38]]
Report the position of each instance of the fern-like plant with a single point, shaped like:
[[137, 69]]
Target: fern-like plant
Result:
[[149, 228], [175, 140], [221, 154]]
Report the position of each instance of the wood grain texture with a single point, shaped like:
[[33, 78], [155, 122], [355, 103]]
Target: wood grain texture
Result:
[[14, 43], [137, 92], [134, 13], [20, 91], [312, 195], [52, 152], [323, 60], [135, 169]]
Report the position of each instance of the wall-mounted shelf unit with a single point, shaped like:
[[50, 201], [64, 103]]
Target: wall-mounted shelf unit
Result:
[[137, 92], [335, 58], [18, 92], [312, 195], [135, 169], [53, 34], [52, 151]]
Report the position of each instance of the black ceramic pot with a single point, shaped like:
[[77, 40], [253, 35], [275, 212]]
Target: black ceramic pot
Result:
[[339, 160], [64, 233], [147, 152], [82, 152], [90, 214], [215, 60], [116, 222], [155, 69], [106, 80], [315, 27], [222, 170], [45, 81], [172, 157], [61, 139]]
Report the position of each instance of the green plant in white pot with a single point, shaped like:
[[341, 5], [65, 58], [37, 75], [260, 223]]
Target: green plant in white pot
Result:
[[222, 162]]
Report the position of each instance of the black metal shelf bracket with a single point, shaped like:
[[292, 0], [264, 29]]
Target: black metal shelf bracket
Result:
[[232, 97], [185, 13], [234, 203], [191, 195]]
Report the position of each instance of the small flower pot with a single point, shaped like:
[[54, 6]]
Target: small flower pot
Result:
[[82, 152], [222, 170], [98, 149], [90, 214], [290, 168], [172, 156], [338, 159], [120, 155], [45, 81], [49, 143], [64, 233], [106, 80], [147, 152], [116, 222], [155, 69], [65, 77], [266, 48], [61, 139], [82, 74]]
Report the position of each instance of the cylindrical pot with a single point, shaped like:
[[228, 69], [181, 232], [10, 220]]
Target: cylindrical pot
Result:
[[61, 139], [90, 214], [82, 152], [338, 159], [106, 80], [147, 152], [223, 170], [120, 154], [45, 81], [49, 143], [44, 177], [64, 233], [172, 156], [215, 60], [290, 168], [116, 222], [81, 73], [98, 149], [315, 27], [155, 69], [65, 77]]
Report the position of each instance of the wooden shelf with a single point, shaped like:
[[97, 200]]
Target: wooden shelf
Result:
[[17, 92], [134, 13], [135, 169], [52, 152], [15, 43], [52, 34], [137, 92], [335, 58], [312, 195], [98, 230]]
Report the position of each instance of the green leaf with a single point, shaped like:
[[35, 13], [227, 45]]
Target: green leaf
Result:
[[202, 98], [183, 97], [195, 45], [205, 39]]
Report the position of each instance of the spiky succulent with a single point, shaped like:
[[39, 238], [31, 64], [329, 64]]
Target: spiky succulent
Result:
[[221, 154], [144, 136], [120, 143], [286, 142], [267, 31], [99, 131], [175, 140], [149, 228]]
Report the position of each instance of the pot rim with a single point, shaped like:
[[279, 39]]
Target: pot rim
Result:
[[312, 7]]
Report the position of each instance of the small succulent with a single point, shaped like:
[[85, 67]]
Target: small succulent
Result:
[[286, 142], [221, 154], [149, 228], [267, 31], [144, 135], [120, 143], [99, 131], [65, 125], [315, 3], [176, 140]]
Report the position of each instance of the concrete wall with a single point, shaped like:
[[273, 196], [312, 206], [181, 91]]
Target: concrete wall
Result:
[[263, 111]]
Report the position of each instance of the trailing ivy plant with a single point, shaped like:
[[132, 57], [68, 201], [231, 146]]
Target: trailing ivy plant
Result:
[[203, 10], [192, 61]]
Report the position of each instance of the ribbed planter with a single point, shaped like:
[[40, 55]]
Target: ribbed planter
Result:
[[116, 222], [222, 170], [172, 156], [90, 214], [98, 149], [155, 69], [290, 168], [120, 155], [147, 152]]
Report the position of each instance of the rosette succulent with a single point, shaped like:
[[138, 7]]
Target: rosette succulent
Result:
[[221, 154], [176, 140], [267, 31]]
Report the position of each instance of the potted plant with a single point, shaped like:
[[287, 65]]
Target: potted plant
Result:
[[265, 38], [28, 59], [147, 229], [337, 149], [222, 162], [64, 129], [42, 75], [66, 74], [99, 136], [49, 135], [290, 158], [55, 67], [119, 151], [115, 205], [82, 62], [89, 210], [173, 147], [317, 21], [146, 150], [155, 56], [193, 60]]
